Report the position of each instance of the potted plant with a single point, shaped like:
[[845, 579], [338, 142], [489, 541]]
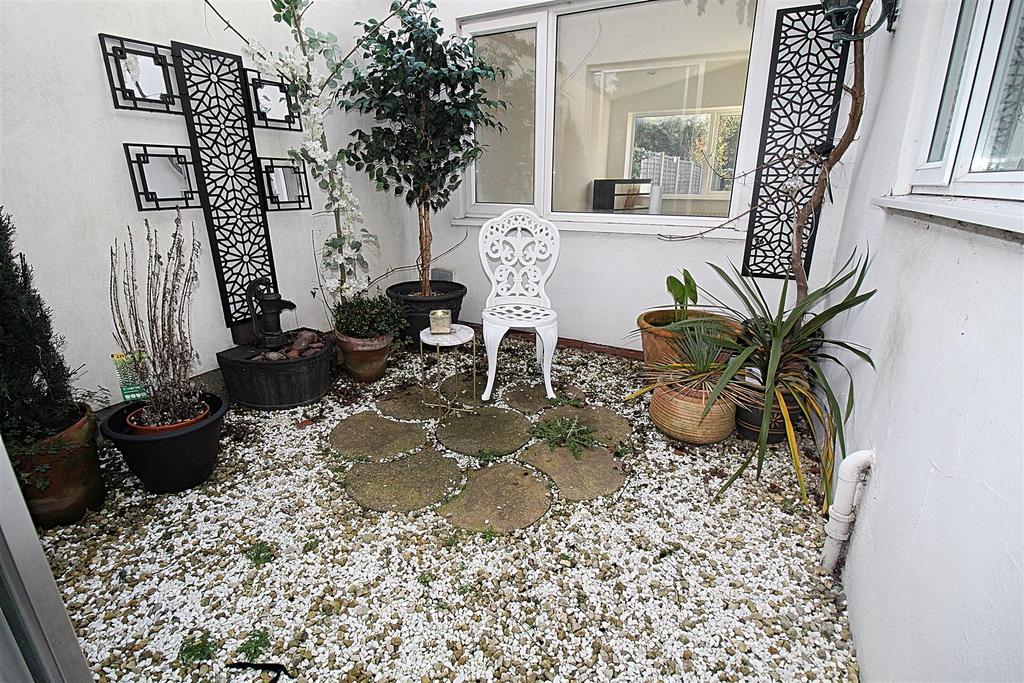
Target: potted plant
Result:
[[423, 90], [169, 440], [784, 352], [657, 328], [49, 432], [365, 327], [683, 384]]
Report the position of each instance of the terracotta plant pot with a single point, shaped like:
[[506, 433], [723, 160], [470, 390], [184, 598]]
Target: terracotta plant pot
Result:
[[365, 360], [657, 341], [63, 474], [132, 420], [677, 413]]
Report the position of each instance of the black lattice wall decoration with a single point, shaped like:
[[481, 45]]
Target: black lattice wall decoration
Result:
[[216, 107], [163, 176], [289, 173], [264, 93], [800, 112], [125, 79]]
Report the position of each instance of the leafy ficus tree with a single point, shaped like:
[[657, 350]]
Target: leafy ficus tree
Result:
[[425, 91]]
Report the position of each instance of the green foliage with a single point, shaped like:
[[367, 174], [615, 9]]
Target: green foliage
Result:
[[196, 649], [36, 396], [255, 645], [684, 292], [787, 352], [566, 433], [425, 578], [487, 455], [260, 553], [424, 90], [310, 545], [366, 317]]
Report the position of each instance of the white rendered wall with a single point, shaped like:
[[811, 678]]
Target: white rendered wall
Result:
[[934, 575], [64, 179]]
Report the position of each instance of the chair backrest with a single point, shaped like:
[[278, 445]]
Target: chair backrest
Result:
[[518, 250]]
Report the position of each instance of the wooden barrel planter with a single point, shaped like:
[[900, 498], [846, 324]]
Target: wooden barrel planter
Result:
[[657, 341], [677, 413]]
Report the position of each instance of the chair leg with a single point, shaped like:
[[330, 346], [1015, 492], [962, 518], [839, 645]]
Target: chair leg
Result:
[[549, 335], [492, 339], [540, 350]]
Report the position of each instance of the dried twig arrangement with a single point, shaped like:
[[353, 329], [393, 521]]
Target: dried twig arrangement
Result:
[[154, 330]]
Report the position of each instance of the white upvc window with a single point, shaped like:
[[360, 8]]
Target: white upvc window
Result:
[[975, 145], [598, 90]]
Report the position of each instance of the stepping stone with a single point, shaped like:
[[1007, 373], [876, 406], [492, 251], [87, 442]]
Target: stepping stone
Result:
[[409, 404], [609, 427], [498, 498], [465, 395], [533, 398], [403, 485], [494, 430], [368, 436], [595, 473]]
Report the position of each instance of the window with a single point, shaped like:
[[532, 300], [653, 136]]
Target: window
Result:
[[621, 113], [504, 174], [976, 147]]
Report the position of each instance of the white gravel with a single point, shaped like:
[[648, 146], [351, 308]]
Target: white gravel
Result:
[[657, 582]]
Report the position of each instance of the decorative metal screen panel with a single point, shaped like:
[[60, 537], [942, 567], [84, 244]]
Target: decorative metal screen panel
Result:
[[215, 103], [800, 111]]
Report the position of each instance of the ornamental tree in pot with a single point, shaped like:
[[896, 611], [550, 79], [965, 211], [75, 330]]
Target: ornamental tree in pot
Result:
[[170, 440], [365, 327], [423, 89], [49, 432]]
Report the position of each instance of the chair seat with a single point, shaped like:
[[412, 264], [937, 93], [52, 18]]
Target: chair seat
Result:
[[519, 315]]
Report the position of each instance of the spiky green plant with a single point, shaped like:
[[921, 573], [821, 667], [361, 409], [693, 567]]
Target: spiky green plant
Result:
[[786, 350]]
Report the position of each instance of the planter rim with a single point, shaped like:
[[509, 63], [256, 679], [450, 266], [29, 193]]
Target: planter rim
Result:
[[363, 343], [647, 327], [163, 429], [87, 415], [218, 407], [457, 290]]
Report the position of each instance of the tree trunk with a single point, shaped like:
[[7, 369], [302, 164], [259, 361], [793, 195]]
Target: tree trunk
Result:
[[424, 259]]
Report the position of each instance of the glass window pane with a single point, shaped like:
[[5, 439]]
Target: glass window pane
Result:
[[954, 75], [504, 174], [649, 95], [1001, 143]]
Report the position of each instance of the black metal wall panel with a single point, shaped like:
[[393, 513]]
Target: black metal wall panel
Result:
[[216, 107], [800, 112]]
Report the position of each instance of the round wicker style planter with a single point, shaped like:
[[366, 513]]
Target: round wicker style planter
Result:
[[657, 341], [677, 413]]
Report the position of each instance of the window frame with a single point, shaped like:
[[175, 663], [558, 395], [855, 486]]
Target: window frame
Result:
[[952, 175], [544, 17]]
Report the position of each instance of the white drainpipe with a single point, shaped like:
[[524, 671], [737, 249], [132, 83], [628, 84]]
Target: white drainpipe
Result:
[[840, 515]]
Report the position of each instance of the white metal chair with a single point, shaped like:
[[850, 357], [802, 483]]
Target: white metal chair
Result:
[[518, 250]]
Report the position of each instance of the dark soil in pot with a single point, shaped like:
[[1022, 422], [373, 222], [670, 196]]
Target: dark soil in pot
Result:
[[365, 360], [60, 478], [447, 295], [170, 461]]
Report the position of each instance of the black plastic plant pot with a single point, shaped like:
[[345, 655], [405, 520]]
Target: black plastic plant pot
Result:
[[447, 295], [748, 424], [276, 385], [170, 461]]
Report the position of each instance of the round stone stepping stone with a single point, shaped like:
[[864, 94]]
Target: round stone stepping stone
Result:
[[402, 485], [533, 398], [492, 430], [410, 404], [609, 427], [498, 498], [368, 436], [465, 395], [595, 473]]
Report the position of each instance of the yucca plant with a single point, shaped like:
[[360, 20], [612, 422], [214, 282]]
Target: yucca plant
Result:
[[782, 355]]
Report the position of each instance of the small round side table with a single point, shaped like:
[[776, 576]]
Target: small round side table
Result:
[[459, 336]]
